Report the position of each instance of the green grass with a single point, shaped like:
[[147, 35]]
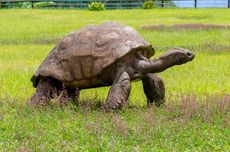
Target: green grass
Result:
[[195, 117]]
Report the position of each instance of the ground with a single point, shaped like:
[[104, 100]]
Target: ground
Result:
[[196, 115]]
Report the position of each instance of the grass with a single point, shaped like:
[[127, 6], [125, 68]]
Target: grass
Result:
[[195, 117]]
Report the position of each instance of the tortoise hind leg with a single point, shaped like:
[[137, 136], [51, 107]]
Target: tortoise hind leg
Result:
[[65, 94], [73, 94], [42, 94], [56, 88], [154, 89], [118, 93]]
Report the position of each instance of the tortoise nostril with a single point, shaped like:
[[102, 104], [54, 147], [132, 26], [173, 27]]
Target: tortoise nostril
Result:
[[189, 54]]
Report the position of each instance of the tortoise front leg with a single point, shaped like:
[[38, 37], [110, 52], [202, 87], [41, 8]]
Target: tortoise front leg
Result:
[[154, 89], [118, 93], [42, 94]]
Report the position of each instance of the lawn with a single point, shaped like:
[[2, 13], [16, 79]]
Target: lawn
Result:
[[196, 114]]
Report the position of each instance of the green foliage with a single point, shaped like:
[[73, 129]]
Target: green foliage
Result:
[[44, 4], [148, 5], [26, 5], [19, 5], [96, 6]]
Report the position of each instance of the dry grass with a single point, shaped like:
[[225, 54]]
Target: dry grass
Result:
[[190, 107], [186, 26]]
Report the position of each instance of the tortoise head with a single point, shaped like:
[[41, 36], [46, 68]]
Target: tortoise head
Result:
[[175, 56], [178, 56]]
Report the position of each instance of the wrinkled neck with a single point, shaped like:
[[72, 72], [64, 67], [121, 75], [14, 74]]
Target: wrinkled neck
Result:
[[156, 65]]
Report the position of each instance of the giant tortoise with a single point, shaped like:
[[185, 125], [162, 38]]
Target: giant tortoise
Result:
[[110, 54]]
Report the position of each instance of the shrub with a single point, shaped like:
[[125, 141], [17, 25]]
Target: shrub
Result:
[[44, 4], [12, 5], [148, 5], [166, 4], [26, 5], [96, 6], [19, 5]]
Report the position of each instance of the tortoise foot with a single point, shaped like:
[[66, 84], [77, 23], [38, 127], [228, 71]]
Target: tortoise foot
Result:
[[38, 100], [113, 106]]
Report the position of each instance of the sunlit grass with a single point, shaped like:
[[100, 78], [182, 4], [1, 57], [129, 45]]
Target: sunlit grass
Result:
[[195, 117]]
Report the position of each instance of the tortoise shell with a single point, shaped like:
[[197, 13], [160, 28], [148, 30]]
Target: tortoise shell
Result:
[[85, 53]]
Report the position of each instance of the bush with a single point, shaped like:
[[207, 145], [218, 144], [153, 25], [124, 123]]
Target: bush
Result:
[[44, 4], [26, 5], [96, 6], [19, 5], [148, 5]]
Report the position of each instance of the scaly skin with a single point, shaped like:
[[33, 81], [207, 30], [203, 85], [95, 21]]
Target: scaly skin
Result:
[[154, 89], [118, 93]]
